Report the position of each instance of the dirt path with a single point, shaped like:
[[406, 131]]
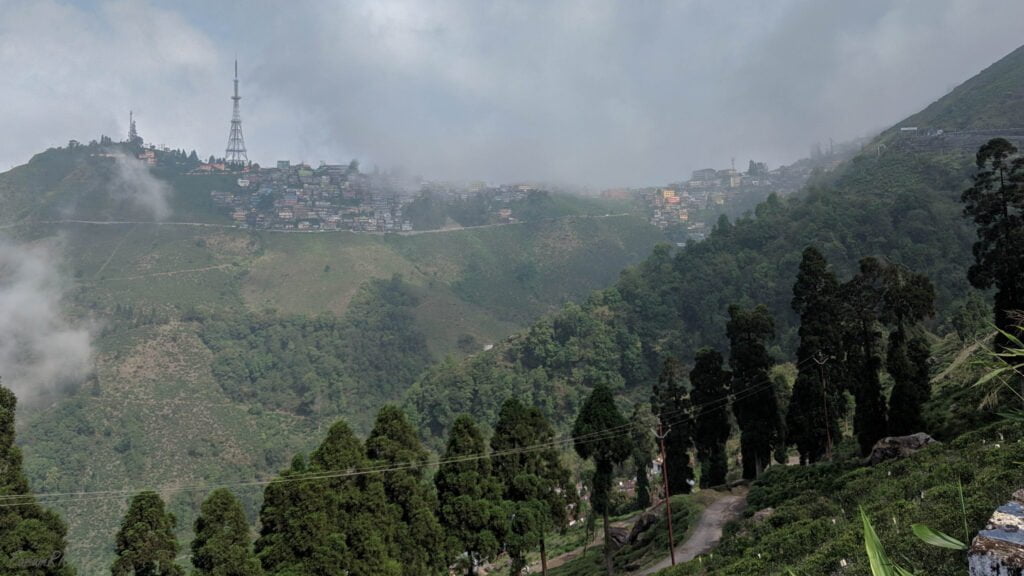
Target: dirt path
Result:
[[170, 273], [707, 532]]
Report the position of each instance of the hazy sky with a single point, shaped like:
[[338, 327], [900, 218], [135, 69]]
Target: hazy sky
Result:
[[593, 92]]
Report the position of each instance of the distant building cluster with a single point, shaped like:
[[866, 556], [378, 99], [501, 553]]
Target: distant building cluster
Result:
[[330, 197], [691, 206]]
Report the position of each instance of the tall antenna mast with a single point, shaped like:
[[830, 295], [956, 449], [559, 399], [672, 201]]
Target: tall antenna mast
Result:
[[133, 134], [235, 154]]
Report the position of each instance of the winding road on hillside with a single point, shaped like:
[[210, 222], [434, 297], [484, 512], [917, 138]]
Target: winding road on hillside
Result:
[[279, 231], [707, 532], [704, 536]]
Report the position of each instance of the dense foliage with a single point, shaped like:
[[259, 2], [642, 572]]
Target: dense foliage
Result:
[[321, 365]]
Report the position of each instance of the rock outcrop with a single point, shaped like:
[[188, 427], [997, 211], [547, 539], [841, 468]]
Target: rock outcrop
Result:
[[894, 447]]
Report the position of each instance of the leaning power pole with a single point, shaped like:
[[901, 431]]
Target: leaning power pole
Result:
[[235, 154], [668, 496]]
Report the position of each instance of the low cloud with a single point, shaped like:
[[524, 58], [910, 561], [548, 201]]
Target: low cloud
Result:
[[40, 350], [135, 183]]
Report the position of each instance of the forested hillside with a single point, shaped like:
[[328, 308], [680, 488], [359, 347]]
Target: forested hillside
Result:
[[898, 202]]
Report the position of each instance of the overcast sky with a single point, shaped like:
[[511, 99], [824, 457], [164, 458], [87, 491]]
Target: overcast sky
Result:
[[592, 92]]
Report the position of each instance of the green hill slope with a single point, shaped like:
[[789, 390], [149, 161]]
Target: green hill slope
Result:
[[177, 302]]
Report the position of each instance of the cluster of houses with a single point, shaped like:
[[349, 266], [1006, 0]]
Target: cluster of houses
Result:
[[687, 210], [330, 197]]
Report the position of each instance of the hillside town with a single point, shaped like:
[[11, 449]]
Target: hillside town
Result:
[[687, 210]]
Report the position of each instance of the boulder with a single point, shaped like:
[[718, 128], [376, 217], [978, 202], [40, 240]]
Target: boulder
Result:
[[642, 524], [618, 535], [763, 514], [893, 447]]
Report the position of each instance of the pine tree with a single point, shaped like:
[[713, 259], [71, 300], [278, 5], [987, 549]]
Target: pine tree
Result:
[[222, 546], [712, 427], [862, 304], [394, 442], [755, 402], [995, 202], [600, 433], [31, 537], [817, 404], [471, 509], [534, 482], [321, 519], [671, 403], [145, 544]]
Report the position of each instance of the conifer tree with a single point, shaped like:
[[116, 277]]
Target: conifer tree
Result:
[[710, 395], [911, 390], [995, 201], [413, 515], [145, 544], [324, 519], [642, 432], [817, 404], [471, 509], [907, 299], [31, 537], [534, 482], [222, 545], [601, 433], [862, 305], [755, 403], [671, 403]]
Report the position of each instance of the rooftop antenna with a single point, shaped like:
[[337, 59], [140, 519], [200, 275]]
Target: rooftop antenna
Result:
[[235, 154]]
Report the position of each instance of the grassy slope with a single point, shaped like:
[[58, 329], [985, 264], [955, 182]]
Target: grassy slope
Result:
[[991, 99]]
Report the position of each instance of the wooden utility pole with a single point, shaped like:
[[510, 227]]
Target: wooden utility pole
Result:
[[668, 496]]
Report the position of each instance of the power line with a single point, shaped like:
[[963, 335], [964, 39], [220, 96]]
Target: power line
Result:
[[681, 415]]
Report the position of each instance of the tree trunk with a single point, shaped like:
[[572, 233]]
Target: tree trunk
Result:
[[607, 544], [543, 557]]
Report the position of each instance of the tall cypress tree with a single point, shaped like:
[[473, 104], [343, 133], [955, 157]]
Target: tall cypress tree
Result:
[[412, 503], [911, 389], [755, 402], [325, 519], [146, 545], [601, 432], [710, 395], [31, 537], [471, 509], [817, 404], [534, 481], [862, 304], [907, 299], [643, 446], [222, 546], [995, 201], [671, 403]]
